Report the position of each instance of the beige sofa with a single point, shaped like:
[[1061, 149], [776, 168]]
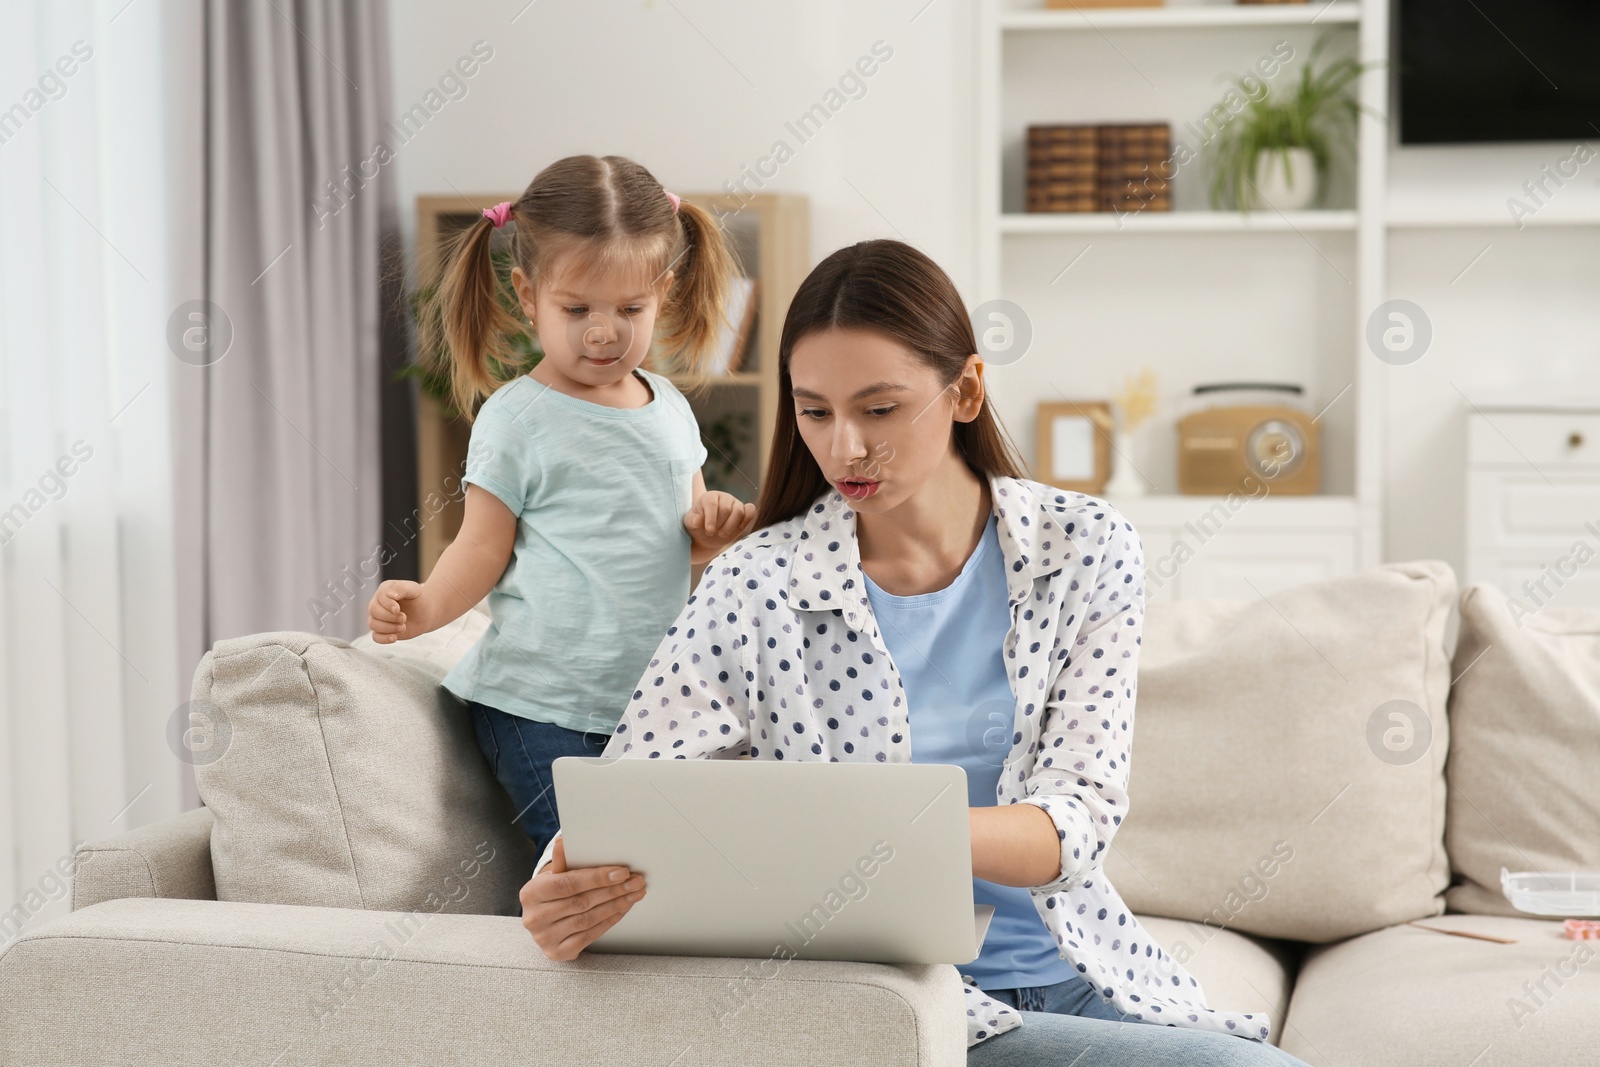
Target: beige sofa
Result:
[[348, 894]]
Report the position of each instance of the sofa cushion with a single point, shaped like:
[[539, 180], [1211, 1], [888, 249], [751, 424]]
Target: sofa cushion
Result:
[[1287, 767], [1524, 735], [1406, 996], [1238, 972], [352, 779]]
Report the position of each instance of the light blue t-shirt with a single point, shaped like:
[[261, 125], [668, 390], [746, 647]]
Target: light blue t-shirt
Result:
[[949, 648], [600, 566]]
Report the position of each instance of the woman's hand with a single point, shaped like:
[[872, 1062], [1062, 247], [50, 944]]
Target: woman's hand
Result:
[[566, 911], [715, 521], [394, 611]]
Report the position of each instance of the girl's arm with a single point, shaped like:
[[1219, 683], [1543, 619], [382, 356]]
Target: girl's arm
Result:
[[468, 568], [715, 520]]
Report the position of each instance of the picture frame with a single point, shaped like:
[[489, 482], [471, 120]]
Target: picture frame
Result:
[[1073, 444], [743, 297]]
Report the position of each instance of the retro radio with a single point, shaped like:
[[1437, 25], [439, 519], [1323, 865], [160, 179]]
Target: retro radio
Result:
[[1239, 437]]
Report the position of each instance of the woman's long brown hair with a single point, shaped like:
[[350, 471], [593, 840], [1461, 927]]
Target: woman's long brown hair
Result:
[[893, 289], [594, 214]]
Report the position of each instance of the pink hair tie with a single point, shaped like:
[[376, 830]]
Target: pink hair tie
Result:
[[498, 214], [676, 200]]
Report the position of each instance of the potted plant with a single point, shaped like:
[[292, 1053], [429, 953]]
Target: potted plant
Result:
[[1277, 151]]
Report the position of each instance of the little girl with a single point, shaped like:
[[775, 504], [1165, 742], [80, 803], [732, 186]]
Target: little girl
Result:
[[585, 504]]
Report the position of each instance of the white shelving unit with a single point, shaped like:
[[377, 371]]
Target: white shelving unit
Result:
[[1195, 294]]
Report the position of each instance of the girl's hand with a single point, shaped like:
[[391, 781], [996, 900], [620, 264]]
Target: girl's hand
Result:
[[566, 911], [716, 521], [394, 611]]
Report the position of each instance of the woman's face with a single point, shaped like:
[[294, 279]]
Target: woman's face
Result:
[[876, 418]]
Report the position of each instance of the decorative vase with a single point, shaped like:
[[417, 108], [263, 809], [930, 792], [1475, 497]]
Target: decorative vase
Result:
[[1285, 179], [1125, 481]]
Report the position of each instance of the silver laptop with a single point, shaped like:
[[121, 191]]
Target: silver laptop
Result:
[[756, 858]]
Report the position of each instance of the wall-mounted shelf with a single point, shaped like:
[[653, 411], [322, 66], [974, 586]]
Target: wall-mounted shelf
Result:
[[1183, 16], [1497, 218], [1177, 222]]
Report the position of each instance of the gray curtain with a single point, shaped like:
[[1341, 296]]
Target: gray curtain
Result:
[[279, 479]]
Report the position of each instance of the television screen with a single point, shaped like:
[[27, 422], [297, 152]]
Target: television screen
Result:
[[1498, 70]]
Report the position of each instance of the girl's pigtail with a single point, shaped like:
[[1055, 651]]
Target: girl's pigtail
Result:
[[474, 324], [697, 305]]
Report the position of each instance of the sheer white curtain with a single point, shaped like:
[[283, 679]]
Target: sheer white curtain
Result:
[[89, 669]]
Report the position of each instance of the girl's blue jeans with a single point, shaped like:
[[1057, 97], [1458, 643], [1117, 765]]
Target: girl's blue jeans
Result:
[[520, 752], [1069, 1023]]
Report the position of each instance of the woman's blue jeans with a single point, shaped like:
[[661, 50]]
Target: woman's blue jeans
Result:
[[1070, 1024], [520, 752]]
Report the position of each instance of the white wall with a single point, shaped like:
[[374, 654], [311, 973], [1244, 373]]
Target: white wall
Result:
[[697, 90], [1515, 313]]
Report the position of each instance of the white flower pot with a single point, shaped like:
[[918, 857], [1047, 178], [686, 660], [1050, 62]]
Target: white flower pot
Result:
[[1285, 179]]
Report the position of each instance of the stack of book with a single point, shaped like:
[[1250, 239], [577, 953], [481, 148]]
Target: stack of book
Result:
[[1134, 167], [1107, 167], [1061, 169]]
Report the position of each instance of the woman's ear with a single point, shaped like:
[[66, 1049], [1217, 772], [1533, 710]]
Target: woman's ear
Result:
[[525, 292], [969, 390]]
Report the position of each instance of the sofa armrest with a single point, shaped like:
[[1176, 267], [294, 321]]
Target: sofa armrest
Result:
[[170, 858], [201, 982]]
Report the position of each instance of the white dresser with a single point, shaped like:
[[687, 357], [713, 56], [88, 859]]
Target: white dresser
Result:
[[1533, 501]]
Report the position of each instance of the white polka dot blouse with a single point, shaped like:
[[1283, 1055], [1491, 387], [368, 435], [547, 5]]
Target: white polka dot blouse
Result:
[[777, 655]]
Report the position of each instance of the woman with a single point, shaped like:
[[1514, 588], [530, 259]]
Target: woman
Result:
[[903, 583]]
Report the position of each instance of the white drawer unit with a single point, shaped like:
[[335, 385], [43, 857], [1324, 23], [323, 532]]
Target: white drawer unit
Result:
[[1533, 504], [1545, 440]]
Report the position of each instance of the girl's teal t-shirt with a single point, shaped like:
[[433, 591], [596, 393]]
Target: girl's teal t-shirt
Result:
[[600, 566]]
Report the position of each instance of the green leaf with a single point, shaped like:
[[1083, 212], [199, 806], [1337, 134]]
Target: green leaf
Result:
[[1318, 111]]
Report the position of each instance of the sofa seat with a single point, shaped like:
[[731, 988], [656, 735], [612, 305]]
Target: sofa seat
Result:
[[1405, 995], [203, 982], [1237, 971]]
